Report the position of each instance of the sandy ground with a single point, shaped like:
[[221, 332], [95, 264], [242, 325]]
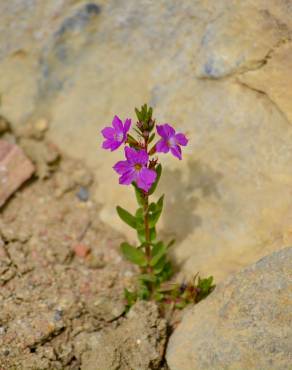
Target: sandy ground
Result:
[[62, 278]]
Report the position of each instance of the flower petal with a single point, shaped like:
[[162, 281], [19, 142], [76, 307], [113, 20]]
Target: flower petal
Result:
[[110, 144], [142, 157], [122, 167], [128, 177], [108, 132], [107, 144], [165, 130], [117, 124], [176, 151], [181, 139], [127, 126], [131, 155], [145, 178], [162, 146], [116, 145]]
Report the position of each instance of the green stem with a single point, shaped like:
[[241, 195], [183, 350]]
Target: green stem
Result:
[[148, 243], [147, 230], [146, 216]]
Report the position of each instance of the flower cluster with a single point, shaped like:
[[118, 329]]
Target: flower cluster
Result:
[[141, 169], [138, 168]]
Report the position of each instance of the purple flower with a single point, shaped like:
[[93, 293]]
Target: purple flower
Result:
[[115, 136], [170, 140], [135, 169]]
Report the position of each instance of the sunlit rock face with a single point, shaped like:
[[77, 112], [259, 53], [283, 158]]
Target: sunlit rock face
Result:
[[218, 71], [244, 324]]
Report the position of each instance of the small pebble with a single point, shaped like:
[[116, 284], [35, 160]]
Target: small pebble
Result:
[[41, 125], [58, 315], [82, 177], [2, 330], [81, 250], [83, 194]]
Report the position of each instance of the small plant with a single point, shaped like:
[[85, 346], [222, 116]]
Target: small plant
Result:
[[142, 170]]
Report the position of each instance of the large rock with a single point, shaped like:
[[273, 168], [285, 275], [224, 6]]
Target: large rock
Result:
[[245, 324], [274, 78], [217, 70]]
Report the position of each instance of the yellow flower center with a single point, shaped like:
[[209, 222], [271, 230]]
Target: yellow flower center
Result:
[[138, 167]]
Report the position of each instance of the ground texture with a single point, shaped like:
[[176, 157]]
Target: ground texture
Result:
[[62, 279]]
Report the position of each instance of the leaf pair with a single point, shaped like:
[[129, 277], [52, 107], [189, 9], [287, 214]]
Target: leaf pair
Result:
[[142, 235], [137, 222], [161, 267]]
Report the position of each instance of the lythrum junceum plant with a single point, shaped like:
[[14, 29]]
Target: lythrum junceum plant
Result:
[[141, 169]]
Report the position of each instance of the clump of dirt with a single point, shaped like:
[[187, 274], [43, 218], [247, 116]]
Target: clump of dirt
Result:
[[62, 279], [138, 342]]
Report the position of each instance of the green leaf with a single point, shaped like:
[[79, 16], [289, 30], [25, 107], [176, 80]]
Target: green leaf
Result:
[[126, 217], [150, 111], [131, 297], [159, 266], [158, 170], [166, 272], [141, 246], [147, 277], [139, 195], [139, 215], [143, 291], [152, 207], [158, 297], [180, 305], [131, 140], [144, 111], [205, 284], [159, 250], [137, 132], [138, 114], [152, 136], [134, 255], [141, 235], [140, 229], [159, 204], [152, 234], [205, 287], [154, 216]]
